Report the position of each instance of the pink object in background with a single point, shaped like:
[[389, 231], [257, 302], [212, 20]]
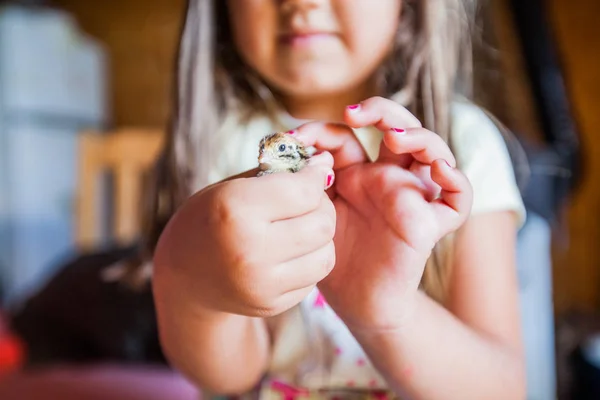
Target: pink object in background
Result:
[[101, 382]]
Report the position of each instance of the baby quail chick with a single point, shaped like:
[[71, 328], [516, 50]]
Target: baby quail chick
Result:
[[281, 152]]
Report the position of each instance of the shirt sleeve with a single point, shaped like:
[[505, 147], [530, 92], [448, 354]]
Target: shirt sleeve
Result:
[[482, 155]]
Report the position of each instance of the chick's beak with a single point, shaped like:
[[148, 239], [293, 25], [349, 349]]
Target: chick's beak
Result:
[[265, 160]]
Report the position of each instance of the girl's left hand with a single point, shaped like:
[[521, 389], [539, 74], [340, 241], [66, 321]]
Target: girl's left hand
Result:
[[390, 213]]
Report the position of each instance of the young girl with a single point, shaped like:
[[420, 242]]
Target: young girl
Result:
[[384, 267]]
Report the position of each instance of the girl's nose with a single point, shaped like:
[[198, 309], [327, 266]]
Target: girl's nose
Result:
[[290, 6]]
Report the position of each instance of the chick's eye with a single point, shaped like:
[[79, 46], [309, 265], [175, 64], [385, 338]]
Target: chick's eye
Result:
[[282, 147]]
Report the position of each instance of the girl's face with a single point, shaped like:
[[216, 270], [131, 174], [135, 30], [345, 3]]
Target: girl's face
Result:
[[307, 48]]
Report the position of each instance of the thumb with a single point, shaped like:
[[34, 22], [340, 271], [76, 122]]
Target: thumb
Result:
[[324, 159], [287, 195], [320, 167]]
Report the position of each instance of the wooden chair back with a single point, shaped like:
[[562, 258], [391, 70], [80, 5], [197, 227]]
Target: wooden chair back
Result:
[[125, 154]]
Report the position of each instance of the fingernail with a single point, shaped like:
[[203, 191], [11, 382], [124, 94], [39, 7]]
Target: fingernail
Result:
[[399, 131], [329, 180], [354, 108], [292, 132]]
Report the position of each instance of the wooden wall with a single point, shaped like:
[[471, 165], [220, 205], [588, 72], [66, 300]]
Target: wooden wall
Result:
[[141, 40], [577, 272]]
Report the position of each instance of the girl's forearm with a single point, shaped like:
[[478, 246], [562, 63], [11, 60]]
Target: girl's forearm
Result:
[[436, 356], [221, 353]]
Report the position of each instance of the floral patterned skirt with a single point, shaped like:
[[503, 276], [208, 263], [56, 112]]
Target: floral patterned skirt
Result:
[[277, 390]]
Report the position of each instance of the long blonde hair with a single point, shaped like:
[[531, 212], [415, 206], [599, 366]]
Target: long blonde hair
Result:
[[430, 63]]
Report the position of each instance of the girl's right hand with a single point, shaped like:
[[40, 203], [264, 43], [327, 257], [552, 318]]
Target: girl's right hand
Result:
[[253, 246]]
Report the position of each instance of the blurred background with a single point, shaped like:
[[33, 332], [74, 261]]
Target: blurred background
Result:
[[85, 94]]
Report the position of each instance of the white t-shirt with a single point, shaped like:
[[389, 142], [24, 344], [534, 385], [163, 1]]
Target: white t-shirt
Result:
[[312, 348]]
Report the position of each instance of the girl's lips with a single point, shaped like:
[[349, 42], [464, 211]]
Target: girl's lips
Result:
[[304, 39]]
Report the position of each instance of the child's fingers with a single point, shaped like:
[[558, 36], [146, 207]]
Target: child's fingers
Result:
[[456, 197], [338, 139], [424, 146], [324, 158], [295, 237], [423, 172], [281, 195], [307, 270], [382, 113], [290, 299], [299, 193]]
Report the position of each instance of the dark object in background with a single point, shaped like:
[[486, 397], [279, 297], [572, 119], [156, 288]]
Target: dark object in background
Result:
[[556, 166], [575, 375], [78, 318], [586, 383]]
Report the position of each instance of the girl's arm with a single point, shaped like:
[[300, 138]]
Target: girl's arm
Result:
[[234, 253], [472, 350], [220, 352], [206, 346]]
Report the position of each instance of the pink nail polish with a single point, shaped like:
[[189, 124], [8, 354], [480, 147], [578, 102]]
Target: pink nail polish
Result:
[[330, 179], [399, 131], [292, 132], [354, 108]]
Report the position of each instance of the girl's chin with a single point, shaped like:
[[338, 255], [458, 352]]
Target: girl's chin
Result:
[[313, 88]]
